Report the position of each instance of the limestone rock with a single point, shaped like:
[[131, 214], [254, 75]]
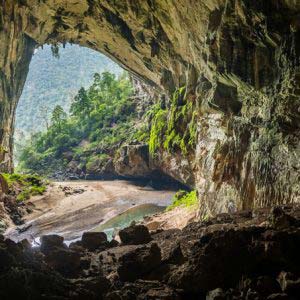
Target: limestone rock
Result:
[[239, 62], [138, 262], [252, 262], [65, 261], [135, 235], [94, 240], [51, 242], [133, 161]]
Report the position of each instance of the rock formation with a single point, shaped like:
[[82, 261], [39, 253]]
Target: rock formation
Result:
[[238, 61], [246, 255]]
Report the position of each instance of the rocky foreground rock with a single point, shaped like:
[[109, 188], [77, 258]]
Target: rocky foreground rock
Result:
[[246, 255]]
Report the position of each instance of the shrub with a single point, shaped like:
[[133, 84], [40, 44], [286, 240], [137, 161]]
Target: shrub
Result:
[[184, 198], [24, 186]]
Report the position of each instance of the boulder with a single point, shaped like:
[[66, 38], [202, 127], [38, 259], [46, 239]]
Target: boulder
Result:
[[135, 235], [138, 262], [65, 261], [51, 242], [94, 240]]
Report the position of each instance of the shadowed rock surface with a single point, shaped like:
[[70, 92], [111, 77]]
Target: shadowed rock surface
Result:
[[246, 255], [239, 61]]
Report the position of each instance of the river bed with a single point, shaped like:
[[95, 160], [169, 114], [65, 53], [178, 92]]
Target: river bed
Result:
[[98, 206]]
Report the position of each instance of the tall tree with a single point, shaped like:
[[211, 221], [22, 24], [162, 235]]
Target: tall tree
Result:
[[58, 115]]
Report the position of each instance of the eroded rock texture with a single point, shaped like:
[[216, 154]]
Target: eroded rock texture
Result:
[[242, 256], [239, 60]]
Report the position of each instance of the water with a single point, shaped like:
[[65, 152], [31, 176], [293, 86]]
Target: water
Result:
[[124, 219]]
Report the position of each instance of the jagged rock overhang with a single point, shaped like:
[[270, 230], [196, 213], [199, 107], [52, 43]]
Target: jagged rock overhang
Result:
[[239, 60]]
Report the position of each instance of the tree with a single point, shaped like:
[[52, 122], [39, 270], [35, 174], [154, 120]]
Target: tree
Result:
[[102, 116], [58, 115], [81, 104]]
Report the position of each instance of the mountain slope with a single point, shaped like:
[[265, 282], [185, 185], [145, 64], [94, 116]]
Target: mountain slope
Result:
[[52, 81]]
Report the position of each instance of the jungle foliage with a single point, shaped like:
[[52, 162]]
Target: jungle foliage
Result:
[[24, 186], [100, 119]]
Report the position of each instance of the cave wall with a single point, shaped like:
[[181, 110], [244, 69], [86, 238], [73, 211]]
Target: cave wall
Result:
[[239, 61]]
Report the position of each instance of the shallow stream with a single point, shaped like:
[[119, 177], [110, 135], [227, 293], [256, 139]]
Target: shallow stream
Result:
[[137, 213]]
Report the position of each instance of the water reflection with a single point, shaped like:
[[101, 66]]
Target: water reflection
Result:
[[124, 219]]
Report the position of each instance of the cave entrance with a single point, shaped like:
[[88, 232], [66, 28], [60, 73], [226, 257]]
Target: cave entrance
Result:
[[54, 80], [82, 117]]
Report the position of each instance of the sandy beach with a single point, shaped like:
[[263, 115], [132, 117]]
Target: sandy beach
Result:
[[70, 208]]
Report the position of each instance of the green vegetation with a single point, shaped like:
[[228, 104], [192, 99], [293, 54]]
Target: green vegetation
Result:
[[158, 125], [174, 128], [25, 186], [53, 81], [101, 118], [185, 199]]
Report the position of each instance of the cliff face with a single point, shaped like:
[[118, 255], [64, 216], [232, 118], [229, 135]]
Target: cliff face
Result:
[[239, 62]]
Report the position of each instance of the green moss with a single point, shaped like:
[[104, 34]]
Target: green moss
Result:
[[193, 130], [157, 129], [141, 134], [181, 128], [24, 195], [97, 161], [37, 190], [185, 199], [25, 186]]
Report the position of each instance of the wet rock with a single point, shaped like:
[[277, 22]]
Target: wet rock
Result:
[[94, 240], [135, 235], [51, 242], [138, 262]]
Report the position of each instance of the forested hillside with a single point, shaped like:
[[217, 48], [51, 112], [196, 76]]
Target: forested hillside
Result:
[[55, 81], [86, 139]]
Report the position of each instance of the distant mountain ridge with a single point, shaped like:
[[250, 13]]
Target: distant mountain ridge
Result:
[[52, 81]]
